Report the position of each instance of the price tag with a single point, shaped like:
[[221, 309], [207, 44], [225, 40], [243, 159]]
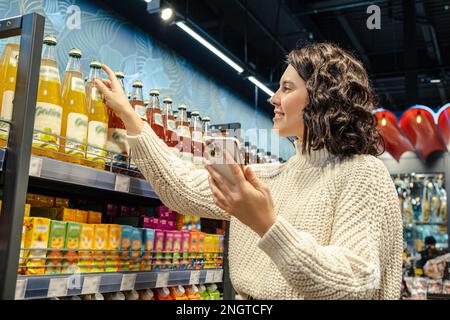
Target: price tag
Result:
[[128, 282], [91, 285], [57, 287], [122, 183], [162, 279], [35, 167], [209, 276], [195, 277], [21, 288], [218, 276]]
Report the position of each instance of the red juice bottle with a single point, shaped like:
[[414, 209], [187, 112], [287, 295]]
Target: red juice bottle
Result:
[[197, 138], [184, 134], [154, 117], [137, 99], [170, 128]]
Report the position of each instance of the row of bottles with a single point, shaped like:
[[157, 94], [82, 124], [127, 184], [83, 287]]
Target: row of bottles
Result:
[[254, 155]]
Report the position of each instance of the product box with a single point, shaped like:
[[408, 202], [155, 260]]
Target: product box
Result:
[[38, 200], [171, 225], [94, 217], [87, 238], [185, 243], [168, 249], [125, 248], [112, 210], [48, 213], [23, 253], [57, 239], [162, 224], [61, 202], [73, 233], [196, 222], [113, 255], [136, 249], [82, 216], [158, 249], [36, 237], [100, 243], [27, 210], [177, 253], [68, 215], [148, 245]]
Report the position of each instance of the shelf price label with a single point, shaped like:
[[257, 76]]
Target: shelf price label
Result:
[[91, 285], [195, 277], [128, 282], [58, 287], [218, 276], [21, 288], [210, 276], [122, 183], [35, 167], [162, 279]]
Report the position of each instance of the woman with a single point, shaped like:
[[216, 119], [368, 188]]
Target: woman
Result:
[[324, 225]]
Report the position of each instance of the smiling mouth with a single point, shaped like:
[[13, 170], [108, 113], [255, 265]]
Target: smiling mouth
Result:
[[278, 115]]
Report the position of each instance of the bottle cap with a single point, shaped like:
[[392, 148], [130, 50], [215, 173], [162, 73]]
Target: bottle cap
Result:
[[137, 84], [167, 100], [50, 40], [206, 118], [119, 74], [154, 92], [195, 113], [76, 53], [95, 64], [182, 107]]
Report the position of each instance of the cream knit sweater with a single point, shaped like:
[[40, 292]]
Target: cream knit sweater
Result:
[[338, 233]]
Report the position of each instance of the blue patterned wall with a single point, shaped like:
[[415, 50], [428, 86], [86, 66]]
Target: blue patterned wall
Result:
[[121, 45]]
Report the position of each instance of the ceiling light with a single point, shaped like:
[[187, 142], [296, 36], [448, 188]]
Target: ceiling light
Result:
[[166, 14], [257, 83]]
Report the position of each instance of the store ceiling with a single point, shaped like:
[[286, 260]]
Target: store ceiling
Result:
[[260, 33]]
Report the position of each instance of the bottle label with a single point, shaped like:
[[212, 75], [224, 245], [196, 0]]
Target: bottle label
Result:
[[77, 85], [184, 131], [141, 111], [171, 125], [14, 58], [97, 136], [95, 94], [77, 133], [118, 142], [48, 122], [49, 73], [197, 136], [6, 112], [157, 119]]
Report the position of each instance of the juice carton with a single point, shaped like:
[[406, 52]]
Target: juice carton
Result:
[[185, 242], [177, 253], [94, 217], [57, 240], [158, 249], [193, 250], [208, 249], [86, 244], [201, 249], [148, 245], [68, 215], [81, 216], [27, 210], [162, 224], [100, 243], [136, 249], [171, 225], [113, 257], [37, 233], [61, 202], [73, 233], [23, 253], [125, 248], [168, 249]]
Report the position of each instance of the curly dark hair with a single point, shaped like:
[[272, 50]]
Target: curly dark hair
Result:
[[338, 116]]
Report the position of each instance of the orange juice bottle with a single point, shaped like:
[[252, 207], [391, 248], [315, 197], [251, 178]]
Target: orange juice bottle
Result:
[[98, 120], [184, 134], [49, 113], [154, 116], [75, 113], [197, 138], [8, 74]]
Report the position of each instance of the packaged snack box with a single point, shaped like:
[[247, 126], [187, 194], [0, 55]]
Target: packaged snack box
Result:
[[61, 202], [27, 210], [23, 253], [177, 253], [57, 239], [136, 249], [168, 248], [82, 216], [125, 248], [185, 243], [171, 225], [201, 249], [158, 249], [193, 249], [49, 213], [148, 245], [100, 243], [207, 251], [94, 217], [36, 237], [113, 257], [68, 215], [38, 200], [73, 233], [86, 244]]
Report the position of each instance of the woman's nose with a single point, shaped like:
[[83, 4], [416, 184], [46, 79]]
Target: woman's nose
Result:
[[274, 100]]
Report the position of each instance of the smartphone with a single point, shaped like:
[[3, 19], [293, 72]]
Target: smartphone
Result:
[[215, 148]]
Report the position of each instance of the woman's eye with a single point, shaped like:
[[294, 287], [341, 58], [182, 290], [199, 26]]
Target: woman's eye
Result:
[[286, 89]]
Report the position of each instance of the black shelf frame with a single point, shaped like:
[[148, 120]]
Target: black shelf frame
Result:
[[30, 28]]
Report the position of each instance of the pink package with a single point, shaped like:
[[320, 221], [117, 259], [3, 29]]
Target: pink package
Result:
[[171, 225], [168, 241], [162, 224], [185, 237]]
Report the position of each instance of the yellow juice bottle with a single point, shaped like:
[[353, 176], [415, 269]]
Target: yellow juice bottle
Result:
[[98, 120], [48, 119], [75, 112], [8, 74]]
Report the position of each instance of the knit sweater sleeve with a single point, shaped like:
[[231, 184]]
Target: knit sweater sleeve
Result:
[[179, 185], [365, 231]]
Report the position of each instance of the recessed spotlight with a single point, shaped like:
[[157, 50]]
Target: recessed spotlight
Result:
[[166, 14]]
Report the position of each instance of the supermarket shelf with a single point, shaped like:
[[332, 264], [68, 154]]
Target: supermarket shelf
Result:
[[46, 286], [86, 177], [438, 296]]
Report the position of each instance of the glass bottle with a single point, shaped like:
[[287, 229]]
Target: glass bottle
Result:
[[184, 134], [170, 128], [197, 138]]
